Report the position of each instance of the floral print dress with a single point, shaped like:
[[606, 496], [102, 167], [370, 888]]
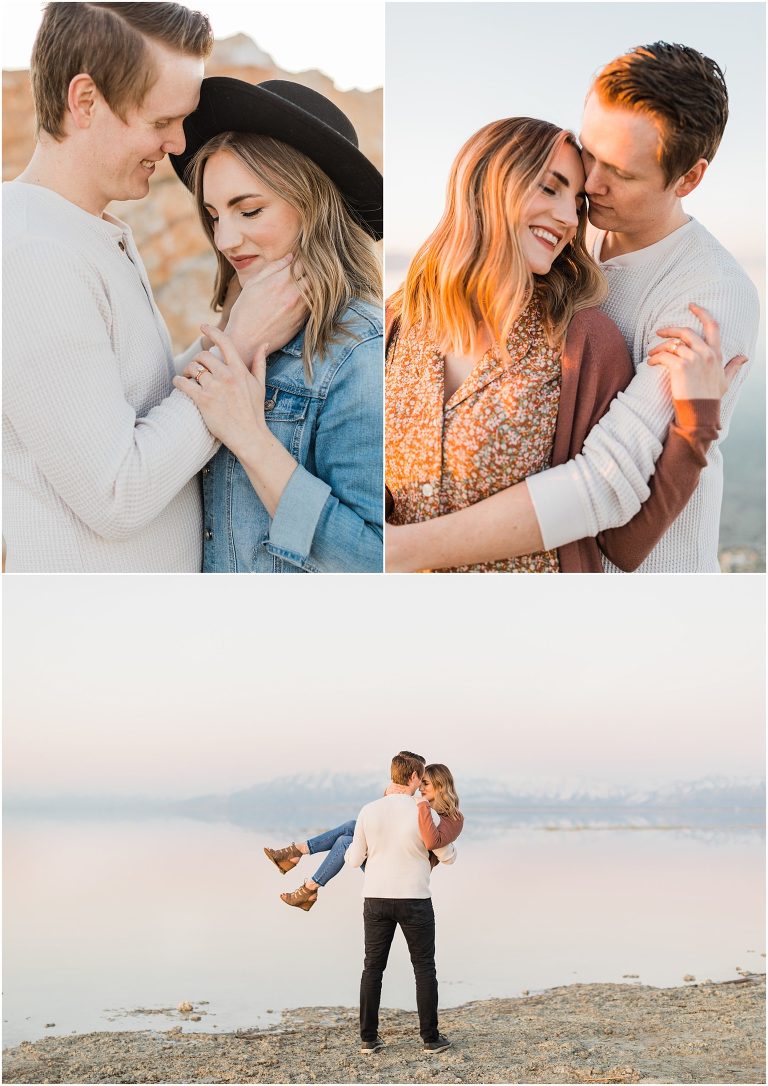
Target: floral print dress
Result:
[[495, 430]]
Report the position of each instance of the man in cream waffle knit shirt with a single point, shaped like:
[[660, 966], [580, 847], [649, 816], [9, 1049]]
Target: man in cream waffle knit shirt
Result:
[[396, 892], [652, 123], [100, 453]]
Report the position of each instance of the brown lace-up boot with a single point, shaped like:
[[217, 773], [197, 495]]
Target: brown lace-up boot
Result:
[[303, 898], [284, 859]]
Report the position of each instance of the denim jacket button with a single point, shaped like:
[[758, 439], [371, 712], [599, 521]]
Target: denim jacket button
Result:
[[427, 490], [206, 471], [208, 534], [269, 405]]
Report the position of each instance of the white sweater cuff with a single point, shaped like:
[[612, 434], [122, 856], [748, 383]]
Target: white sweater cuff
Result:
[[559, 510]]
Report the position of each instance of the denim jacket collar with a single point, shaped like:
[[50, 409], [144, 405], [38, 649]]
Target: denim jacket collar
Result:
[[293, 347]]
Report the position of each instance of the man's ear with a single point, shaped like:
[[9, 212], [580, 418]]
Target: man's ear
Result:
[[81, 100], [690, 180]]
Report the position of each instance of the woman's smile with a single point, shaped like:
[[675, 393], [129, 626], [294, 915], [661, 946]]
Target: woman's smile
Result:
[[551, 217]]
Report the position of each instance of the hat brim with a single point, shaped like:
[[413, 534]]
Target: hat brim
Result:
[[232, 105]]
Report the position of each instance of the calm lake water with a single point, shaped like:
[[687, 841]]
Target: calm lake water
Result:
[[104, 920]]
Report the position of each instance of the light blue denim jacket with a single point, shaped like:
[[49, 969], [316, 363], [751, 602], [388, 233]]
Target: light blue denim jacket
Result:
[[330, 514]]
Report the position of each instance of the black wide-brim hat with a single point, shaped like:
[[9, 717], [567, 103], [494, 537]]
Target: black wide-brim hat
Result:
[[299, 116]]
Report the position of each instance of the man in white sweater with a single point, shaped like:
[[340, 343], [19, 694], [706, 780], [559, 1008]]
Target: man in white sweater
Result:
[[396, 892], [100, 453], [652, 123]]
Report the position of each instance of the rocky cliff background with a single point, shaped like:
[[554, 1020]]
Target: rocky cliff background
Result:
[[179, 261]]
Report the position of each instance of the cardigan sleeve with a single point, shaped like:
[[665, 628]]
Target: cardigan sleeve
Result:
[[444, 833], [695, 427]]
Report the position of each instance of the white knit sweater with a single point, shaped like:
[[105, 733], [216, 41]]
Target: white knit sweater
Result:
[[605, 485], [396, 859], [100, 453]]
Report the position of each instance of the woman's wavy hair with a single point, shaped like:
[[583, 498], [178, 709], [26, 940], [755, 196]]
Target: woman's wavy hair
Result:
[[446, 799], [337, 258], [472, 269]]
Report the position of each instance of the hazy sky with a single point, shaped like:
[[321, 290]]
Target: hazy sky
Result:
[[297, 35], [451, 68], [186, 685]]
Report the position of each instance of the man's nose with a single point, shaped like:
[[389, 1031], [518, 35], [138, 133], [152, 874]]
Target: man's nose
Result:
[[596, 183], [175, 141]]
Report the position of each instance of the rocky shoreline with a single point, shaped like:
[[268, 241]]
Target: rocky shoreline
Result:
[[580, 1033]]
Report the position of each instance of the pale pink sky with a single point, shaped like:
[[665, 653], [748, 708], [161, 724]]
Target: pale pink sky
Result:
[[182, 685]]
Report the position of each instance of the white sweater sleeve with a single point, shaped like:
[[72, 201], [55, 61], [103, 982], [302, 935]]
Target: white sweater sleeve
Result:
[[358, 850], [64, 398], [605, 485], [446, 854]]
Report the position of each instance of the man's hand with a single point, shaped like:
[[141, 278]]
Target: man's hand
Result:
[[695, 364], [269, 310]]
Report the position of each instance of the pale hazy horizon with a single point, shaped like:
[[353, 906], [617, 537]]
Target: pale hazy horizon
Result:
[[180, 686]]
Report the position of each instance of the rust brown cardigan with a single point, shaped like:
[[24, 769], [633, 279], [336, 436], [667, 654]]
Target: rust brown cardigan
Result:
[[595, 367]]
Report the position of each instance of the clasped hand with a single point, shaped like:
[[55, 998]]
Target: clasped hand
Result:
[[695, 363], [229, 396]]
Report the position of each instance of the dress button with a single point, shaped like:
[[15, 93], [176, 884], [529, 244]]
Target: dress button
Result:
[[269, 405], [208, 534], [427, 490]]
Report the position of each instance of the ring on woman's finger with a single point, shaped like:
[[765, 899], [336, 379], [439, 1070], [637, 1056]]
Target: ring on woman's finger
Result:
[[675, 346], [200, 372]]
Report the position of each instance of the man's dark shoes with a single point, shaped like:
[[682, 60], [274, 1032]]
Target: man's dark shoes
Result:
[[437, 1046], [367, 1047]]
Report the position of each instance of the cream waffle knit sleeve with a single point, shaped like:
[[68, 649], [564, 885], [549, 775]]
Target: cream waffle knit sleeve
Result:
[[64, 398]]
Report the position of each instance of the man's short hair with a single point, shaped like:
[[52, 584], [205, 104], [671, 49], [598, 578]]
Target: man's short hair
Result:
[[681, 89], [109, 43], [405, 764]]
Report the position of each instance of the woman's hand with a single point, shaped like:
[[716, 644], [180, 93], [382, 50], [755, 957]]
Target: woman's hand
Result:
[[270, 309], [229, 397], [695, 364], [233, 293]]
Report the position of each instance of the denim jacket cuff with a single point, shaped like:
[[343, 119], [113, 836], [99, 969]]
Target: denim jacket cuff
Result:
[[296, 516]]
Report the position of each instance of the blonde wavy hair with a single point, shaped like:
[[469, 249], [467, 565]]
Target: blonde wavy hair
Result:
[[446, 800], [471, 271], [337, 258]]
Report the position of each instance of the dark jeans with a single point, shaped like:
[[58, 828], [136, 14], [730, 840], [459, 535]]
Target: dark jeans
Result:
[[381, 915]]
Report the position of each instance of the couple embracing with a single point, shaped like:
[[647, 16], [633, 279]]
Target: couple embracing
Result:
[[555, 402], [278, 410], [396, 840]]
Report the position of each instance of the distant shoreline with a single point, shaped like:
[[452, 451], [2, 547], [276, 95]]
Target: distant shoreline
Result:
[[577, 1033]]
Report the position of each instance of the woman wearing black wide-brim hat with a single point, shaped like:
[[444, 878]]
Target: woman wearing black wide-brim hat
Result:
[[297, 485]]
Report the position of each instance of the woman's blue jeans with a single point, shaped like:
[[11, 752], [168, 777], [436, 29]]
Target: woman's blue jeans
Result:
[[335, 842]]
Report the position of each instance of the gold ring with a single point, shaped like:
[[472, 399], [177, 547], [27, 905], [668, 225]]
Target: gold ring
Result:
[[199, 374]]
